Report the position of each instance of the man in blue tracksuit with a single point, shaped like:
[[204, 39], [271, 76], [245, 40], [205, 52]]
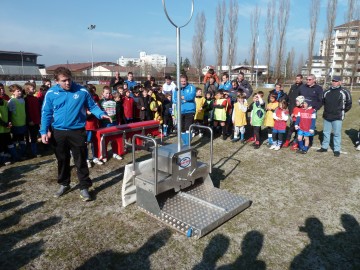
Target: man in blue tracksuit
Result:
[[188, 106], [225, 85], [64, 108]]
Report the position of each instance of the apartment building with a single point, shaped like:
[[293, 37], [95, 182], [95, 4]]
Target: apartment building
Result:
[[344, 55], [346, 62]]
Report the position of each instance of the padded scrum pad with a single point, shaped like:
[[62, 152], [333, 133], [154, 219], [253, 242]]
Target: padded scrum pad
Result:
[[128, 191]]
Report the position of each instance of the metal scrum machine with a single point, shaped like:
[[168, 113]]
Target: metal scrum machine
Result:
[[176, 188]]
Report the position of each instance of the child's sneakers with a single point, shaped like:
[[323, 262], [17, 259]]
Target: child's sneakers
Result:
[[277, 147], [272, 147], [295, 147], [251, 139], [97, 161], [235, 139], [88, 162], [286, 144], [118, 157]]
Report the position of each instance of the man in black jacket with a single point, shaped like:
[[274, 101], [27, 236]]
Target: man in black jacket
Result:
[[244, 85], [294, 92], [116, 81], [337, 101]]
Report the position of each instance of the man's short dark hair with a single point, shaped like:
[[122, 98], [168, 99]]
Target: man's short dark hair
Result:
[[241, 73], [168, 77], [300, 76], [184, 76], [130, 73], [226, 74], [62, 71]]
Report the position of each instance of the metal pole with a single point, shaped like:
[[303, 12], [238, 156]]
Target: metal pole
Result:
[[92, 27], [92, 59], [22, 64], [178, 102]]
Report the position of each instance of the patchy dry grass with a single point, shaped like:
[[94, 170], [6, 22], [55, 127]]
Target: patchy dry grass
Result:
[[305, 214]]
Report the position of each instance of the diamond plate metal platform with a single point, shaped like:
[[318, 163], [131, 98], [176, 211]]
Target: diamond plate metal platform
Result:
[[198, 209]]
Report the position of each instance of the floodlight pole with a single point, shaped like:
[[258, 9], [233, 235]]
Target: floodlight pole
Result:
[[92, 27], [178, 100]]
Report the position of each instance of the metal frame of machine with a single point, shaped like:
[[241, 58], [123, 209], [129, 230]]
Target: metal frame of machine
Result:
[[177, 189]]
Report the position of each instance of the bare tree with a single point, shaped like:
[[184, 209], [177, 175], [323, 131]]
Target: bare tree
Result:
[[219, 33], [198, 43], [330, 18], [289, 64], [300, 64], [314, 15], [269, 35], [232, 28], [254, 28], [282, 22]]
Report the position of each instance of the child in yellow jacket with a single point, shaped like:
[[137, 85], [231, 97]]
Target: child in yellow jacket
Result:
[[200, 112], [269, 120], [239, 117]]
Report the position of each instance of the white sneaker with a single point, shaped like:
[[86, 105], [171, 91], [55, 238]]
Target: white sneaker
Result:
[[118, 157], [88, 163], [97, 161], [358, 147], [272, 146], [277, 148], [104, 160], [200, 135]]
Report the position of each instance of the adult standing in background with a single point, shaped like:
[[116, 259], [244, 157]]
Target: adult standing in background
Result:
[[294, 92], [279, 93], [116, 81], [188, 107], [312, 92], [337, 101], [147, 83], [244, 85], [64, 109], [130, 81], [169, 86], [225, 84]]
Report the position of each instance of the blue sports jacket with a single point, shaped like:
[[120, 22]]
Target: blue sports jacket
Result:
[[225, 86], [67, 108], [188, 103]]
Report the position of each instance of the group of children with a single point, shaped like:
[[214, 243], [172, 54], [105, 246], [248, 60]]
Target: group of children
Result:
[[20, 117], [226, 111], [226, 114]]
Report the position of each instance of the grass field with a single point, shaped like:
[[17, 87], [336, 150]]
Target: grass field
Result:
[[305, 214]]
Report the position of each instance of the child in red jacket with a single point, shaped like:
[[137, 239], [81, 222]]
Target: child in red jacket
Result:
[[128, 105], [33, 115], [305, 125], [280, 115]]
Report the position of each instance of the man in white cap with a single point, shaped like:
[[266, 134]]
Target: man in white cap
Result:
[[336, 101]]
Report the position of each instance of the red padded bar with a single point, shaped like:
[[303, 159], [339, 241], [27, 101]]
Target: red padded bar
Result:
[[151, 127]]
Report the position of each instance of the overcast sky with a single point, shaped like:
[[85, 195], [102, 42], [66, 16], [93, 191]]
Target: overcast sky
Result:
[[58, 29]]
